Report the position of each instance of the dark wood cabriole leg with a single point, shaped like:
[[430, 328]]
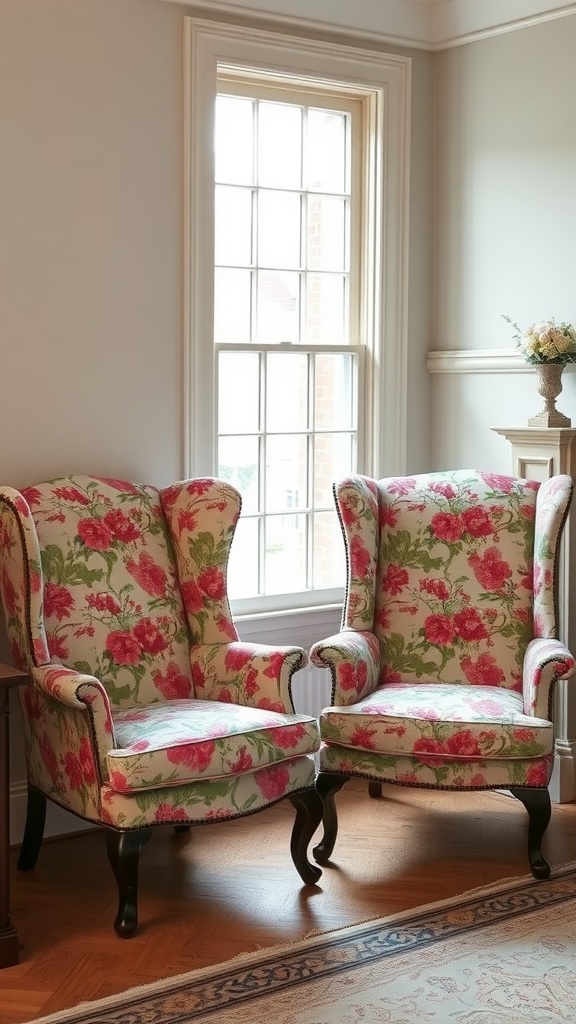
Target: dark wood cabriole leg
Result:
[[537, 803], [375, 790], [124, 854], [33, 830], [327, 784], [309, 809]]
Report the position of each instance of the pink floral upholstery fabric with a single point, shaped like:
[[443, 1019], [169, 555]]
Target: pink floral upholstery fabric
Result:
[[444, 670], [145, 705]]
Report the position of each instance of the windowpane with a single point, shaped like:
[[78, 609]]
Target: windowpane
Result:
[[287, 391], [279, 145], [326, 309], [238, 460], [238, 392], [333, 457], [233, 230], [285, 571], [329, 553], [279, 221], [286, 473], [334, 391], [243, 564], [326, 233], [326, 151], [232, 305], [278, 307], [234, 140]]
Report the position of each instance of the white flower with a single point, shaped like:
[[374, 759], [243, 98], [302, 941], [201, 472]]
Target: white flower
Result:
[[546, 342]]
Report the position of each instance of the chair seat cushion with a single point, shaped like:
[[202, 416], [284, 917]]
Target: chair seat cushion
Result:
[[447, 722], [180, 741]]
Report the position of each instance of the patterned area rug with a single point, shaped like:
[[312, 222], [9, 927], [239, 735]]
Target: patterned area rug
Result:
[[505, 953]]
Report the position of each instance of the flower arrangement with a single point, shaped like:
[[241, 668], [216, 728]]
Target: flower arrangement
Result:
[[546, 341]]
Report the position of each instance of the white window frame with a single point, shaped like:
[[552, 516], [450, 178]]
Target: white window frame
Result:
[[383, 82]]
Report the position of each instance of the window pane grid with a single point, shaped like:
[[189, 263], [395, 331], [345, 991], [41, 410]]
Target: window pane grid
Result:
[[283, 279]]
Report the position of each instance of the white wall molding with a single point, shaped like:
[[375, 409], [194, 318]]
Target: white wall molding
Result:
[[418, 24], [485, 360]]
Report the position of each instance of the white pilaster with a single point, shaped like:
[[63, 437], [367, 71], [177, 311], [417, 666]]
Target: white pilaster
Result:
[[538, 453]]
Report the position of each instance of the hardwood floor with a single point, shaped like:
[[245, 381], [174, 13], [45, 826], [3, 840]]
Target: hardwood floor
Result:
[[225, 889]]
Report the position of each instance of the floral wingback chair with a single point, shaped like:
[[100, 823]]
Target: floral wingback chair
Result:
[[443, 673], [144, 707]]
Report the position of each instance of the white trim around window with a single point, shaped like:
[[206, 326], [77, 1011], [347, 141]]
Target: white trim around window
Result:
[[384, 81]]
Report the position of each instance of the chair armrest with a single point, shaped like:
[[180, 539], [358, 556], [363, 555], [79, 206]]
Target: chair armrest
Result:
[[254, 675], [353, 658], [81, 692], [545, 662]]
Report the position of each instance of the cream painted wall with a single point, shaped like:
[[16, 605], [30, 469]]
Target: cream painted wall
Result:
[[91, 239], [91, 242], [506, 209]]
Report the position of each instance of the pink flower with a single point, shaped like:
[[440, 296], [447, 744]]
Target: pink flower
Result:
[[469, 625], [363, 737], [73, 770], [213, 583], [103, 603], [226, 626], [439, 630], [352, 677], [359, 558], [95, 534], [195, 756], [57, 646], [425, 746], [118, 781], [273, 781], [490, 569], [537, 775], [243, 763], [58, 601], [124, 647], [148, 574], [485, 671], [173, 684], [446, 489], [395, 579], [199, 486], [32, 495], [192, 596], [149, 636], [477, 522], [401, 485], [436, 587], [121, 527], [463, 744], [237, 658], [166, 812], [497, 482], [388, 516], [186, 520], [9, 595], [71, 494], [287, 737], [447, 527]]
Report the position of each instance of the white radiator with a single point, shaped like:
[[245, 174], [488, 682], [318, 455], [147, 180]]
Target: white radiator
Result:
[[311, 690]]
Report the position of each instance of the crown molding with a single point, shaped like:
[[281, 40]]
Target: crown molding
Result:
[[418, 24]]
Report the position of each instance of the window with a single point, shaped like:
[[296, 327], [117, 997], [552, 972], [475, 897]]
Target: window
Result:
[[289, 179]]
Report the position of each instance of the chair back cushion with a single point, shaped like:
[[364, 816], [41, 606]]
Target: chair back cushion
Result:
[[455, 589], [111, 594]]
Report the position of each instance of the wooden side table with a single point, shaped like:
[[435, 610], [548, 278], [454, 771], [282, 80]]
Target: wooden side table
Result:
[[9, 677]]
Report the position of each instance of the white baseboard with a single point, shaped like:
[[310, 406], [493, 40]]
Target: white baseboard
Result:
[[58, 821], [563, 782]]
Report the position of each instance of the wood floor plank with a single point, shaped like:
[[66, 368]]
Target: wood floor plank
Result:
[[229, 888]]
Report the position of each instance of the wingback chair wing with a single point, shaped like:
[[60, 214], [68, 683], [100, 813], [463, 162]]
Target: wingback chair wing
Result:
[[444, 671], [144, 708]]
